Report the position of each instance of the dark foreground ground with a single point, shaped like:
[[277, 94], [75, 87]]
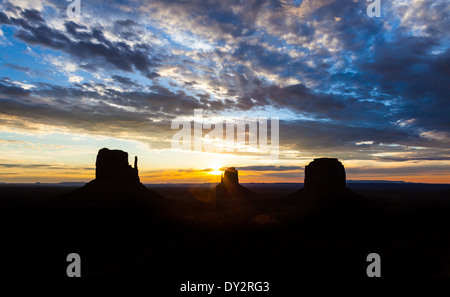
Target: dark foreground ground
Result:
[[188, 235]]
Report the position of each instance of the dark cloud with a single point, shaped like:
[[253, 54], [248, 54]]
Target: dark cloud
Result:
[[260, 56], [7, 89], [128, 29], [4, 19], [45, 166], [271, 168], [111, 114], [73, 29], [403, 159], [125, 81], [218, 18], [34, 30], [344, 141], [422, 170], [32, 16], [408, 70], [17, 67]]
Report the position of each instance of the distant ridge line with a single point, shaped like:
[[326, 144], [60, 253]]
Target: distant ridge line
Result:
[[72, 184]]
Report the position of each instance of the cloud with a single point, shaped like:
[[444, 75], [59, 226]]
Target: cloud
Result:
[[45, 166], [7, 88], [17, 67], [83, 46], [270, 168], [125, 81], [75, 79]]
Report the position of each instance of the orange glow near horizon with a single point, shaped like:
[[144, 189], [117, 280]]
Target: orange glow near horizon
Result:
[[216, 169], [208, 175], [54, 165]]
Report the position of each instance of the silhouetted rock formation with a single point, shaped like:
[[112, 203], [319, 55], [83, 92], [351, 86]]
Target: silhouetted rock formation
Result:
[[325, 187], [113, 165], [230, 176], [229, 189], [325, 172], [116, 181]]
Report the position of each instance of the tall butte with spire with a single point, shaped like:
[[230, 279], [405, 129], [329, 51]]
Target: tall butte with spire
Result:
[[112, 166], [115, 180]]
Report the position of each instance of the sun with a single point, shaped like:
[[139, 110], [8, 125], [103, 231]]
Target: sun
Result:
[[215, 169]]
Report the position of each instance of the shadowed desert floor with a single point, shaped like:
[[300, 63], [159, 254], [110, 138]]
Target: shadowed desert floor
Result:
[[189, 234]]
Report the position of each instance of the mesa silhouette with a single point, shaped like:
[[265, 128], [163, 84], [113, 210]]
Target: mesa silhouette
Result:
[[325, 186]]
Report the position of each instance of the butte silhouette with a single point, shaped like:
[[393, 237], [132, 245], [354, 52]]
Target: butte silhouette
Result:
[[325, 186], [229, 190], [115, 181]]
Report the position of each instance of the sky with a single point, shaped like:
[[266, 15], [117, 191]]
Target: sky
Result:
[[370, 91]]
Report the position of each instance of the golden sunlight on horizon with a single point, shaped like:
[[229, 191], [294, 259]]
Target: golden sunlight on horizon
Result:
[[216, 169], [34, 161]]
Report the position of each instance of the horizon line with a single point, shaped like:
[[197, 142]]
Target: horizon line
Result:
[[203, 183]]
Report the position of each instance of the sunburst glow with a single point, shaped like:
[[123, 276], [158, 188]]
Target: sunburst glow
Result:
[[215, 169]]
